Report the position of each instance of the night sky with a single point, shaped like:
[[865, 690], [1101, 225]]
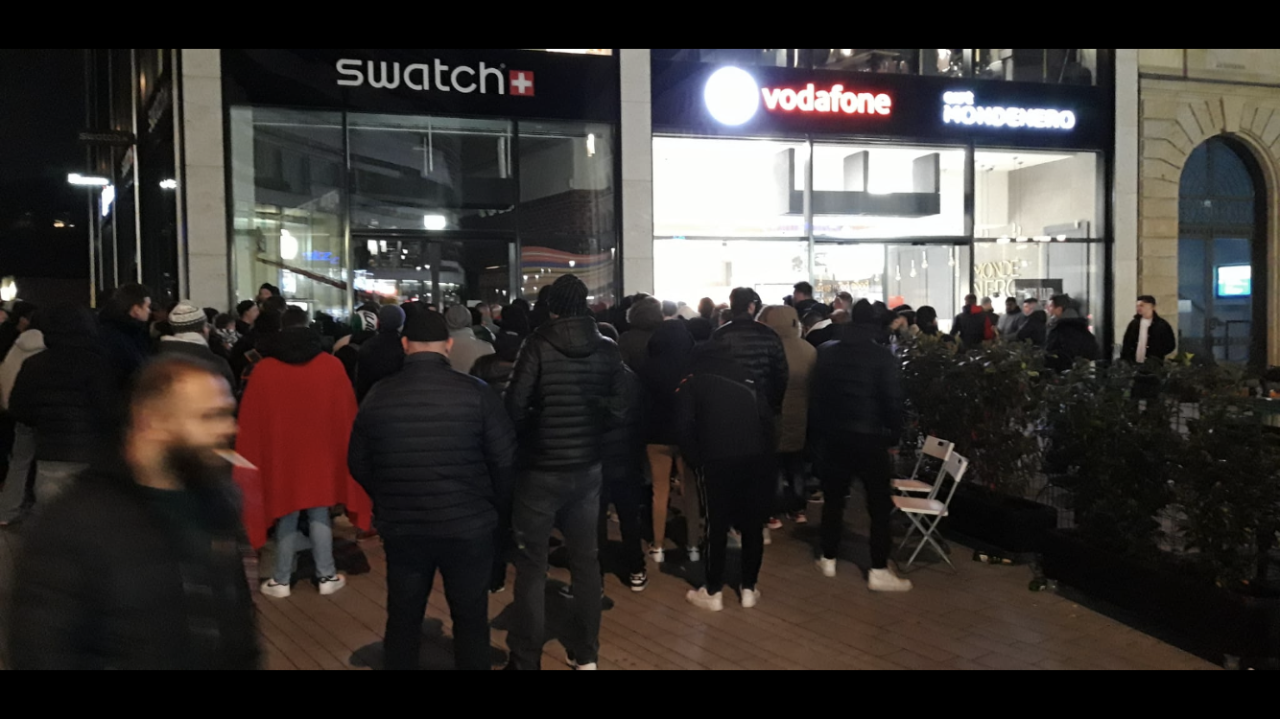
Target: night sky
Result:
[[41, 114]]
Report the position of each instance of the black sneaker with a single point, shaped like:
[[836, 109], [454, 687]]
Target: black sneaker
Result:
[[638, 581]]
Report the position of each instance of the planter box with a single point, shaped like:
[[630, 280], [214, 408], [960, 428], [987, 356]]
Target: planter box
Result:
[[1012, 525], [1188, 612]]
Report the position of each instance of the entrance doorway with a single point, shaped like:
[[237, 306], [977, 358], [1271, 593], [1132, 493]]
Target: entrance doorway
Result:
[[1221, 298], [433, 270]]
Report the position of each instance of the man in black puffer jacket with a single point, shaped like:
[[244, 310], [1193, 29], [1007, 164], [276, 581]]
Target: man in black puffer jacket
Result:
[[755, 346], [434, 449], [566, 392], [855, 417], [67, 397]]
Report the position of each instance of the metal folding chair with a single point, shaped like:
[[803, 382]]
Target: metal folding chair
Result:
[[926, 513], [939, 449]]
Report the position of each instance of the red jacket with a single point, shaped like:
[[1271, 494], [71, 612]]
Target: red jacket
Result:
[[295, 424]]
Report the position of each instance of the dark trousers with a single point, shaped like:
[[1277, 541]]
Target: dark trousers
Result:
[[501, 549], [570, 501], [868, 458], [624, 493], [464, 566], [793, 494], [737, 493]]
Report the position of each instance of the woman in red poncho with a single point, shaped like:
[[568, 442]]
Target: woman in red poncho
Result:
[[295, 423]]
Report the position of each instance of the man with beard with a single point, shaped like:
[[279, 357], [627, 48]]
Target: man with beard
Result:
[[140, 564]]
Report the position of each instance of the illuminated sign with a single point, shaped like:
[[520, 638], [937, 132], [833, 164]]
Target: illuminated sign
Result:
[[108, 197], [418, 76], [959, 108], [733, 97]]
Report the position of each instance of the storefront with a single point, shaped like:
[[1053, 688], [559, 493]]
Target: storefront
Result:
[[439, 175], [894, 187]]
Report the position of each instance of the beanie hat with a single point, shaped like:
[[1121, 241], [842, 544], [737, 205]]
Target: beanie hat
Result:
[[426, 326], [862, 313], [458, 317], [390, 317], [568, 297], [186, 317]]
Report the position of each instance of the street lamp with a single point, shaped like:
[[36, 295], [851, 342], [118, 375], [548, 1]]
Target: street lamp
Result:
[[76, 178]]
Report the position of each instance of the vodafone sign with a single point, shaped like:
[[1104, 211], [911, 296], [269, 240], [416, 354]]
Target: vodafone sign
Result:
[[733, 97]]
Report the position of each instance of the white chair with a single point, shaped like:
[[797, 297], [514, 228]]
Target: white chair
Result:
[[926, 513], [939, 449]]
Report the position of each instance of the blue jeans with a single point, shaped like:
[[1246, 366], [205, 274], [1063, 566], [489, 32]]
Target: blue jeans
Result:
[[288, 537], [15, 483]]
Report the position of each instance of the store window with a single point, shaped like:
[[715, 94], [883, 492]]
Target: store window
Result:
[[688, 270], [431, 173], [878, 192], [567, 211], [286, 192], [1059, 67], [1041, 269], [1029, 194]]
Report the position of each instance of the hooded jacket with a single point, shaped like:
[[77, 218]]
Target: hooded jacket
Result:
[[624, 445], [434, 449], [295, 427], [723, 416], [1067, 340], [28, 345], [759, 350], [467, 348], [380, 356], [644, 318], [855, 388], [670, 358], [63, 392], [801, 357], [566, 391], [1161, 341], [973, 327]]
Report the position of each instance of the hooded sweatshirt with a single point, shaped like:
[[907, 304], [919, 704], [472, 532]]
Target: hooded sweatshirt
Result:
[[28, 344], [801, 356], [644, 317], [670, 358]]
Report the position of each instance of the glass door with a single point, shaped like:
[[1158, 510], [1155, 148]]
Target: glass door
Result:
[[437, 271], [1215, 298]]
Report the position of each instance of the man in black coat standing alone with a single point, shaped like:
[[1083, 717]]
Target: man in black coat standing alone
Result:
[[1149, 338], [141, 564], [434, 449], [566, 393]]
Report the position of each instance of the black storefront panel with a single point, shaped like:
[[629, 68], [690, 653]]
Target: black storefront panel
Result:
[[515, 84], [698, 98]]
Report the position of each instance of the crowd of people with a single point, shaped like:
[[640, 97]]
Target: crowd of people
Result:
[[152, 449]]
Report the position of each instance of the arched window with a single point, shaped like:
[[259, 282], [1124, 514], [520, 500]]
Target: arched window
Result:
[[1221, 217]]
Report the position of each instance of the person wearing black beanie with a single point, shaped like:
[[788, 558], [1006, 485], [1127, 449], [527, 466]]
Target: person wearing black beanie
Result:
[[568, 389]]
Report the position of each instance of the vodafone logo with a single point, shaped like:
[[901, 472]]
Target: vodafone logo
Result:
[[733, 97]]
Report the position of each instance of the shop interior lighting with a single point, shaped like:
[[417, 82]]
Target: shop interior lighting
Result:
[[168, 184], [78, 179], [108, 197], [373, 247], [288, 245], [573, 262], [8, 290], [924, 260], [913, 268], [435, 222], [591, 144]]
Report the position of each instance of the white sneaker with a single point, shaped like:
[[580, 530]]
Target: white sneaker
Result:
[[694, 555], [271, 589], [711, 602], [750, 598], [735, 539], [884, 580], [657, 556], [768, 537], [827, 567], [584, 667], [329, 585]]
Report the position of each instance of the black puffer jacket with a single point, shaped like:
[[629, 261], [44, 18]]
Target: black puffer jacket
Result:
[[670, 357], [721, 415], [495, 369], [566, 391], [102, 584], [624, 445], [759, 350], [64, 392], [434, 449], [855, 388], [380, 356], [1068, 340]]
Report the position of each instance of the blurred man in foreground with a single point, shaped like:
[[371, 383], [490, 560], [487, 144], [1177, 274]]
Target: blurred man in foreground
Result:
[[140, 564]]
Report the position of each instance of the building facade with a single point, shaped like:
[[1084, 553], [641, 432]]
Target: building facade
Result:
[[1199, 131], [912, 176]]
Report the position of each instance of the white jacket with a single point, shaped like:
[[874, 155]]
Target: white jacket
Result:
[[28, 344]]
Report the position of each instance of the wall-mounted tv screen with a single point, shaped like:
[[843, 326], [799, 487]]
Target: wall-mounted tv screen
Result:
[[1234, 280]]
